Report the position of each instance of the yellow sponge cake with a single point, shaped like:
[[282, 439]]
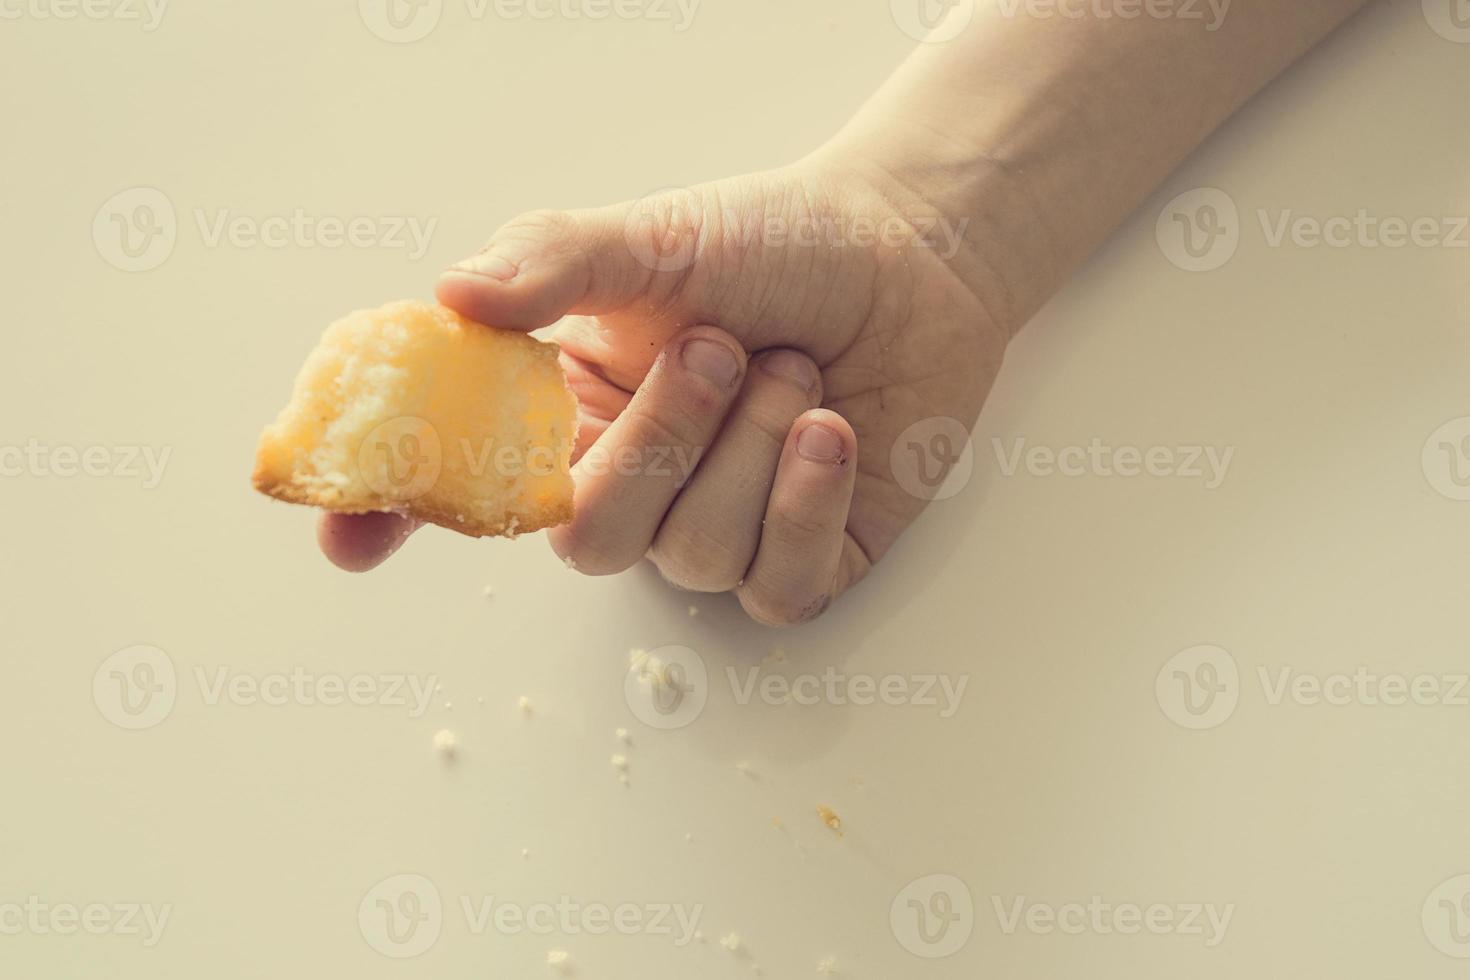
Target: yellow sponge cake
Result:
[[412, 409]]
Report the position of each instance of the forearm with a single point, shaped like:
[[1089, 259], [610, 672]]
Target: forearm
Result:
[[1039, 134]]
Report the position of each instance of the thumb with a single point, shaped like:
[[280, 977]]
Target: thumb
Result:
[[544, 265]]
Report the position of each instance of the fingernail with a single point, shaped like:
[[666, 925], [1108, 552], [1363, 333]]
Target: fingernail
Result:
[[819, 444], [791, 366], [711, 360], [488, 265]]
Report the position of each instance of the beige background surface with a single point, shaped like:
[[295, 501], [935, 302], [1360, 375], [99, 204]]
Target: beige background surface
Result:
[[1334, 833]]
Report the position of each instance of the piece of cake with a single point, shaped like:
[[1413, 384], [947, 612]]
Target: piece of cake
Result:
[[412, 409]]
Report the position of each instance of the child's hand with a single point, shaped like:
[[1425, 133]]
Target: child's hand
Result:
[[1045, 132], [780, 331]]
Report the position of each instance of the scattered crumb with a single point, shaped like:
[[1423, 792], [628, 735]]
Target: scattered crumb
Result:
[[623, 778], [857, 781], [479, 700], [569, 562], [637, 657], [689, 837], [488, 591], [731, 942], [438, 688], [699, 935], [557, 958], [526, 853], [448, 705], [827, 966], [622, 734], [620, 762], [693, 611], [831, 819], [775, 656], [524, 703], [445, 742], [743, 768], [776, 822]]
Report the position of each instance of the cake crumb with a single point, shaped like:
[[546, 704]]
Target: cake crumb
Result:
[[622, 735], [831, 819], [448, 705], [488, 591], [570, 562], [827, 966], [743, 768], [731, 942], [689, 837], [524, 703], [525, 853], [693, 611], [699, 935], [620, 762], [558, 958], [445, 742]]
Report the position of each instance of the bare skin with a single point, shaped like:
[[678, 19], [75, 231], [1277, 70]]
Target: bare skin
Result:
[[784, 328]]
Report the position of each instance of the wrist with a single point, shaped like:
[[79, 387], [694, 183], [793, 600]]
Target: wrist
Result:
[[969, 207]]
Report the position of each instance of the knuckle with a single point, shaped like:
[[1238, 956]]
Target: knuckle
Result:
[[582, 550], [770, 420], [668, 428], [542, 223], [694, 559], [794, 521]]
